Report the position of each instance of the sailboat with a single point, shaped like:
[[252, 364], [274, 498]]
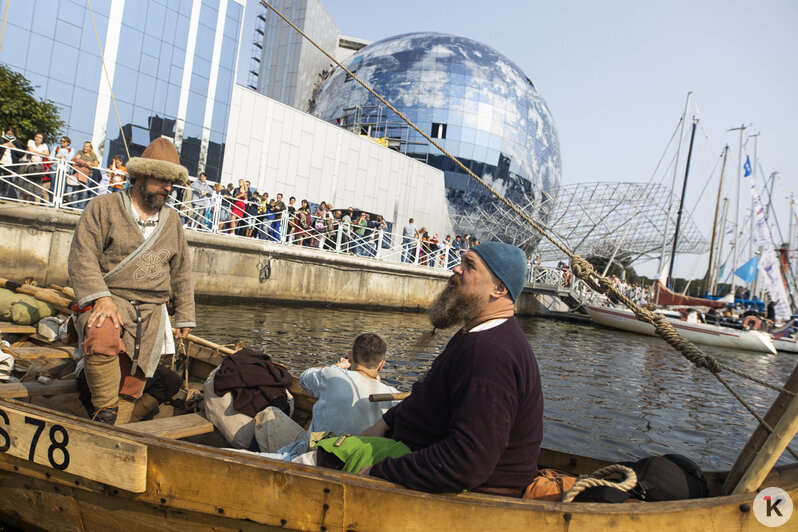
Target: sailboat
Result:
[[699, 333]]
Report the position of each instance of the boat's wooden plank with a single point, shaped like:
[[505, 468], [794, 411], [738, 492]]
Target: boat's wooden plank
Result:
[[754, 444], [18, 390], [6, 327], [27, 352], [80, 449], [174, 427]]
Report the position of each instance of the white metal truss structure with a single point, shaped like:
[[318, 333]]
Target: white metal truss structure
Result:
[[592, 219]]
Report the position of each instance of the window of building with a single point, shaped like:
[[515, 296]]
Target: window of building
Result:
[[438, 131]]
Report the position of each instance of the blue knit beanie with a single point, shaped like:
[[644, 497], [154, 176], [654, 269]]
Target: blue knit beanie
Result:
[[507, 262]]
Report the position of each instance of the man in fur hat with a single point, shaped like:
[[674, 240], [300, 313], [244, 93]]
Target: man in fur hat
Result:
[[129, 256]]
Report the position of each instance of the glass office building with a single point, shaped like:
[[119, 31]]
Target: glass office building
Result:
[[472, 100], [171, 64]]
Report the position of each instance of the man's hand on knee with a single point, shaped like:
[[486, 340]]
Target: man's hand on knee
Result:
[[103, 308]]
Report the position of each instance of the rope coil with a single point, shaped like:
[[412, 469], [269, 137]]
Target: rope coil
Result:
[[599, 478]]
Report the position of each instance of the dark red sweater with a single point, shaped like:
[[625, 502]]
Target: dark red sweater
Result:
[[475, 420]]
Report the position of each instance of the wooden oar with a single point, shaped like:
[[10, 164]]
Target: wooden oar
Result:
[[210, 345], [59, 303], [66, 290], [379, 397]]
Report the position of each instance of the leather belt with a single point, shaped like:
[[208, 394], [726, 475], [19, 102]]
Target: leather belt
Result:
[[137, 340], [507, 492]]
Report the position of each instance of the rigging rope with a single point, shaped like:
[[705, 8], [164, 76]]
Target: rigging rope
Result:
[[580, 267], [108, 80]]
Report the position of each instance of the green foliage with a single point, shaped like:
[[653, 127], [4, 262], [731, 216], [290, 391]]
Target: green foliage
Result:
[[21, 110]]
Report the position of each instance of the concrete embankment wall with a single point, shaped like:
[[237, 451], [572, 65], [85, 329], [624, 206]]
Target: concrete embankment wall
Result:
[[34, 242]]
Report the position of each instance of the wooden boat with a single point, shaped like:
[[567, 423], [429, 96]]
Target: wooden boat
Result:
[[699, 333], [664, 296], [59, 471]]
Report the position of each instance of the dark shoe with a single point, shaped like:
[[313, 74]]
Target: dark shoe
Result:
[[106, 415]]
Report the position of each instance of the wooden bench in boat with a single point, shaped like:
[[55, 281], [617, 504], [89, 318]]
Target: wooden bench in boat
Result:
[[175, 427], [21, 390]]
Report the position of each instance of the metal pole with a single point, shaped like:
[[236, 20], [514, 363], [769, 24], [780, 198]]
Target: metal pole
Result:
[[737, 232], [716, 266], [709, 280], [681, 202], [753, 216], [673, 185]]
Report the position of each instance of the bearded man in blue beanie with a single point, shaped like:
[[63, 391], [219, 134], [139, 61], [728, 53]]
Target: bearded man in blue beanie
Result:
[[475, 422]]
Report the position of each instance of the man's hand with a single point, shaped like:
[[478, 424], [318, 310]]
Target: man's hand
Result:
[[343, 363], [182, 332], [365, 471], [379, 429], [103, 308]]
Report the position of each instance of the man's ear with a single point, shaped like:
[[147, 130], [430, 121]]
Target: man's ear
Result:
[[350, 357], [379, 368], [499, 290]]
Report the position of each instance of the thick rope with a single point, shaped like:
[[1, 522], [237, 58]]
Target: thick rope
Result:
[[579, 266], [598, 478]]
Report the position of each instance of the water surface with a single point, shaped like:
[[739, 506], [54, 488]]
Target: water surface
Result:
[[608, 394]]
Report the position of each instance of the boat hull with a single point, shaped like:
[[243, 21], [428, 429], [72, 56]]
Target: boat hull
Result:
[[698, 333], [190, 486], [785, 345]]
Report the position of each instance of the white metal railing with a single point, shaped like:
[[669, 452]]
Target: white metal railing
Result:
[[47, 184], [561, 277]]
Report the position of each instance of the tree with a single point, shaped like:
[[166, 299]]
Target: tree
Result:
[[21, 110]]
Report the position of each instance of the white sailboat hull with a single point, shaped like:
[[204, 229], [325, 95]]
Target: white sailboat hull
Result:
[[786, 345], [698, 333]]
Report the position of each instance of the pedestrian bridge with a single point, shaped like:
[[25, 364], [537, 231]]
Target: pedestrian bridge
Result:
[[560, 283]]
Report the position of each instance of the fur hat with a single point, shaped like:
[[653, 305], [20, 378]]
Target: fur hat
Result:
[[159, 161]]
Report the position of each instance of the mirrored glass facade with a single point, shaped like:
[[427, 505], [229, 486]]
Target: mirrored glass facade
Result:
[[476, 103], [53, 43]]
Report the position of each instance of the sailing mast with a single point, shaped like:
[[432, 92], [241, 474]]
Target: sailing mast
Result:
[[718, 257], [709, 279], [681, 202], [737, 228], [753, 215], [673, 186]]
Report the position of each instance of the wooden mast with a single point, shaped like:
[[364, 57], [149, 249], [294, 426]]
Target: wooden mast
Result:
[[709, 277]]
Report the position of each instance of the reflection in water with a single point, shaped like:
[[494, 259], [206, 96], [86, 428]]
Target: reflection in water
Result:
[[608, 394]]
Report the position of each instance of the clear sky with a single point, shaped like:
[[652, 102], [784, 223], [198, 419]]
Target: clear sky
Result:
[[615, 75]]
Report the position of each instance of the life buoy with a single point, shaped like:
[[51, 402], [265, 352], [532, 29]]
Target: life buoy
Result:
[[751, 322]]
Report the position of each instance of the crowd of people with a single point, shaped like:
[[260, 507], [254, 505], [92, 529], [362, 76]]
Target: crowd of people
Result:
[[27, 171], [243, 210]]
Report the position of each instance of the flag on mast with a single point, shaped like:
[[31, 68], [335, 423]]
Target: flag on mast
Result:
[[747, 166], [747, 272], [769, 264]]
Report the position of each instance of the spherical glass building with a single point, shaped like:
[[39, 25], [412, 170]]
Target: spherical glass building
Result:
[[472, 100]]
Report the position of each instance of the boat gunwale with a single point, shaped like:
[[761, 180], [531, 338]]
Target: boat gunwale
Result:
[[359, 482]]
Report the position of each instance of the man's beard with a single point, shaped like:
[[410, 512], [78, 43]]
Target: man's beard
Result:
[[454, 307], [152, 200]]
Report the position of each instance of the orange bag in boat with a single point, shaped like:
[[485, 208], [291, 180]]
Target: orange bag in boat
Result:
[[549, 485]]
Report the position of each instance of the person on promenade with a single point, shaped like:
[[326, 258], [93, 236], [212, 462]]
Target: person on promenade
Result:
[[85, 163], [11, 151], [476, 420], [409, 235], [240, 195], [128, 258], [279, 209], [66, 153], [117, 173], [201, 201], [35, 171]]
